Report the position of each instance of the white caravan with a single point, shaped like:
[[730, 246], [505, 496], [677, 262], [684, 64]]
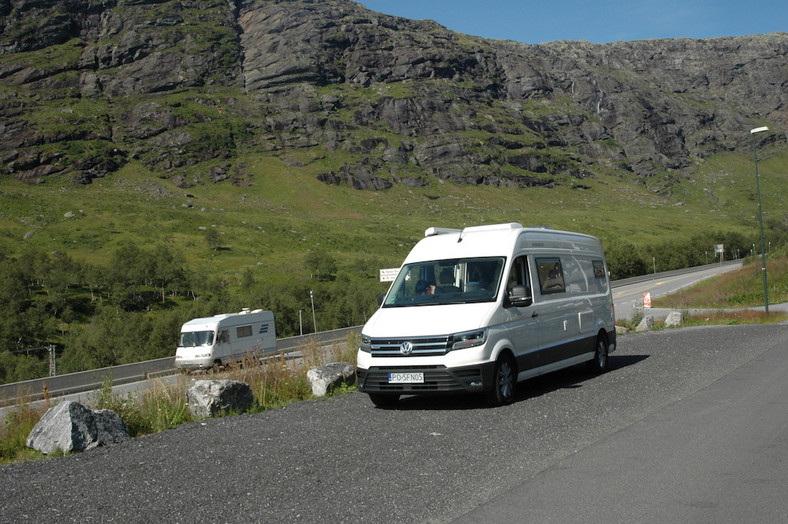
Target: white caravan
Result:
[[482, 308], [226, 338]]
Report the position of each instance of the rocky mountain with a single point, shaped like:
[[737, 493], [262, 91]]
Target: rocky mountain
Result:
[[186, 88]]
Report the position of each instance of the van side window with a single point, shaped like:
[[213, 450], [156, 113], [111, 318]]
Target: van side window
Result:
[[243, 331], [599, 275], [518, 276], [551, 276], [224, 336], [574, 278]]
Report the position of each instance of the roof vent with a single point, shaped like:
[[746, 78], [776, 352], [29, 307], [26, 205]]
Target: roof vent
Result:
[[432, 231]]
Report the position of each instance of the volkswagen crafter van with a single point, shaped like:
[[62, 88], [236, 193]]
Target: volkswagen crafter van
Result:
[[483, 308]]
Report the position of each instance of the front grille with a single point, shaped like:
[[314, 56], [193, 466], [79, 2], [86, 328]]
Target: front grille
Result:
[[419, 346]]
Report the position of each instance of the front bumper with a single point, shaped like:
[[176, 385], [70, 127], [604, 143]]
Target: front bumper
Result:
[[437, 379], [193, 364]]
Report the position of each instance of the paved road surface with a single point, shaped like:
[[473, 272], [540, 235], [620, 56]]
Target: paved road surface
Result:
[[627, 297], [717, 455], [639, 443]]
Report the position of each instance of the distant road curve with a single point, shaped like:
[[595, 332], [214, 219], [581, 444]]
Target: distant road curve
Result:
[[627, 293]]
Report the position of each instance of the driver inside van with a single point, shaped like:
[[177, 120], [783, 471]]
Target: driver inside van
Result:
[[423, 288]]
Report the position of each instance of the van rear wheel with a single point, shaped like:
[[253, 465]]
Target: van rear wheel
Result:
[[599, 364], [504, 382]]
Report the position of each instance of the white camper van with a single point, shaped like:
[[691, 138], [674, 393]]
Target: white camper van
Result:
[[226, 338], [482, 308]]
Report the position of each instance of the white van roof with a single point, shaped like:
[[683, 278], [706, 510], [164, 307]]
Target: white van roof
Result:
[[496, 240]]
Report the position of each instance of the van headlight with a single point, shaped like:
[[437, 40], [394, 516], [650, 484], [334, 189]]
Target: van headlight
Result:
[[366, 344], [469, 339]]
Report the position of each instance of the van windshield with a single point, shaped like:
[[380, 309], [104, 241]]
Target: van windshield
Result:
[[452, 281], [196, 338]]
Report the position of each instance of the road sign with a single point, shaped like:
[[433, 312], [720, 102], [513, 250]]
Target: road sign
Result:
[[646, 299], [388, 275]]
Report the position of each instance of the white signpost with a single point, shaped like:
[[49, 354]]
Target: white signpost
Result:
[[388, 275]]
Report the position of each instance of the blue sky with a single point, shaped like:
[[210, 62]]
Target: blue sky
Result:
[[597, 21]]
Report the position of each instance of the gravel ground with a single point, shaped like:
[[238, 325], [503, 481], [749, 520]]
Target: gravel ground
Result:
[[343, 460]]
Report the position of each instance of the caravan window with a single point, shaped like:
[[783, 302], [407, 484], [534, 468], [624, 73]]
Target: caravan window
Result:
[[192, 339], [551, 275], [243, 331]]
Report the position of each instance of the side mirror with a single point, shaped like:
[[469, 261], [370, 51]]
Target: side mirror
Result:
[[381, 297], [519, 296]]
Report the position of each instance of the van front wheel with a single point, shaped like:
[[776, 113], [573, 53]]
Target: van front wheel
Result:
[[504, 382]]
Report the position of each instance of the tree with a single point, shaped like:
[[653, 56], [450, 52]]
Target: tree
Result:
[[322, 265], [168, 273], [624, 260], [212, 238]]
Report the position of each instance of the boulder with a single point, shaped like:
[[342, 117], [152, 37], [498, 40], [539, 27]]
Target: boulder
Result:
[[208, 398], [646, 324], [70, 426], [322, 379], [674, 319]]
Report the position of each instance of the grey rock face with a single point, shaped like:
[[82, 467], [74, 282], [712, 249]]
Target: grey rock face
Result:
[[208, 398], [70, 426], [292, 75]]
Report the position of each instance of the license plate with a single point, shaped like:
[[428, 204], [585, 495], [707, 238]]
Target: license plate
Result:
[[406, 378]]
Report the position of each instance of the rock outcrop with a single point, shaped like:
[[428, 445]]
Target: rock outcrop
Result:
[[90, 85]]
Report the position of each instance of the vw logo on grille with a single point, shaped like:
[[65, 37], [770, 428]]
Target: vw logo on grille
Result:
[[406, 348]]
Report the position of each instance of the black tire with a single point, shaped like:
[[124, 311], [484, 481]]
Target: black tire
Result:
[[504, 382], [383, 400], [599, 364]]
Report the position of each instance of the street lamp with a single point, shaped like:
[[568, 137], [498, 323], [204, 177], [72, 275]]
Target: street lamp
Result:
[[312, 298], [760, 216]]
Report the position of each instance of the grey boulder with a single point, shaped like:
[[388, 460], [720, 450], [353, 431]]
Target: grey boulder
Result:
[[208, 398], [70, 426]]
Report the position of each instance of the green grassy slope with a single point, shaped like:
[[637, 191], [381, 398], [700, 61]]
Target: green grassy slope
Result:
[[283, 212]]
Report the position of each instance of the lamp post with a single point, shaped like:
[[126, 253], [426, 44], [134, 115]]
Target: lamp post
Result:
[[312, 298], [760, 216]]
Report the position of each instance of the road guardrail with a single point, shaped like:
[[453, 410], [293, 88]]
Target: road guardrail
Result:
[[82, 381]]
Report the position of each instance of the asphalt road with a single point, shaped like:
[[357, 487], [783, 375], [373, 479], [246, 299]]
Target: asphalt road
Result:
[[689, 425], [629, 296]]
